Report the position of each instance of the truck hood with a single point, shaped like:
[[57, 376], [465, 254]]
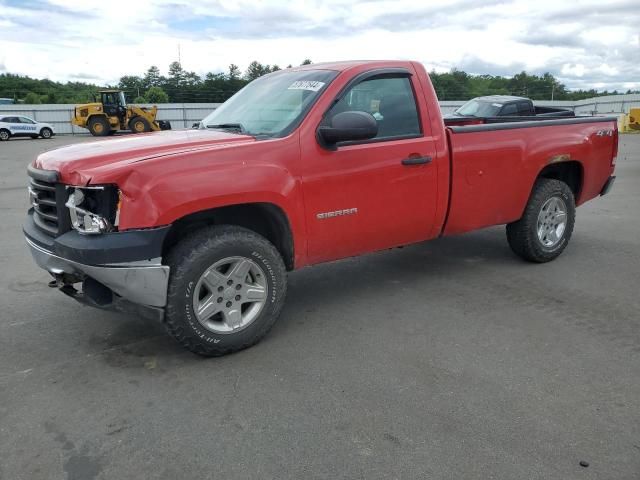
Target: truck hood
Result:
[[75, 163]]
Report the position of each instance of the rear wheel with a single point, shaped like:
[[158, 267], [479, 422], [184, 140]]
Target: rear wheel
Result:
[[226, 290], [4, 135], [544, 230], [46, 133], [139, 125], [99, 126]]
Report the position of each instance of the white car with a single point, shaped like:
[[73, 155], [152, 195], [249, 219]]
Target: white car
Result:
[[18, 126]]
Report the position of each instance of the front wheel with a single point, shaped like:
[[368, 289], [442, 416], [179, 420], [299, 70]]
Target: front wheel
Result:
[[544, 230], [226, 289], [46, 133], [139, 125]]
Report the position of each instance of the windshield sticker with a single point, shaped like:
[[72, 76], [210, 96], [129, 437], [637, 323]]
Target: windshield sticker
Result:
[[311, 85], [497, 105]]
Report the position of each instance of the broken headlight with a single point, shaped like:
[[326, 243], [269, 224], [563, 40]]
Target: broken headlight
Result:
[[94, 210]]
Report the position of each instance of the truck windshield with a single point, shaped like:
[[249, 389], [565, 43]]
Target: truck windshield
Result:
[[272, 105], [477, 108]]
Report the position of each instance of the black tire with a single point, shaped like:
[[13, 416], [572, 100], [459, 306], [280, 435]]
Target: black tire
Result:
[[46, 133], [4, 135], [139, 125], [99, 126], [523, 235], [191, 258]]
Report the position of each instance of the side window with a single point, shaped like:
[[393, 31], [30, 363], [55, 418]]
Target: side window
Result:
[[26, 120], [509, 109], [524, 108], [389, 99]]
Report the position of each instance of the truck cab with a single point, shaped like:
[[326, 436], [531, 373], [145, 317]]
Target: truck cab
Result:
[[496, 106]]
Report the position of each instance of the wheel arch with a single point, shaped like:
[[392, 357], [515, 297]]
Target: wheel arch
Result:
[[570, 172], [266, 219], [95, 115]]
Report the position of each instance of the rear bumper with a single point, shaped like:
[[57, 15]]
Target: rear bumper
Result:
[[608, 185]]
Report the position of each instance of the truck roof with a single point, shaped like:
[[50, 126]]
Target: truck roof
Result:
[[501, 98], [346, 65]]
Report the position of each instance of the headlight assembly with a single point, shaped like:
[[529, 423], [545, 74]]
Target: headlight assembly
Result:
[[94, 210]]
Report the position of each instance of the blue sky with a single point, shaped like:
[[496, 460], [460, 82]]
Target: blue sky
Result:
[[586, 43]]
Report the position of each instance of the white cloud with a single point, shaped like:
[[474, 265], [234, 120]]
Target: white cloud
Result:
[[583, 43]]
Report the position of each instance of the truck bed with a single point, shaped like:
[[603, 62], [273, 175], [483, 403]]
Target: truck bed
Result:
[[494, 165], [461, 121]]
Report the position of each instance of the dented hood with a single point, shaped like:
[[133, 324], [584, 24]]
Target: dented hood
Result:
[[76, 163]]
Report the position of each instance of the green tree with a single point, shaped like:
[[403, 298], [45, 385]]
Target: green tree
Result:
[[152, 77], [306, 61], [176, 74], [156, 95], [256, 70], [132, 85], [191, 80], [32, 98], [140, 99], [234, 72]]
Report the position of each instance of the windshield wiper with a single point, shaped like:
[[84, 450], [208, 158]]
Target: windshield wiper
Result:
[[234, 127]]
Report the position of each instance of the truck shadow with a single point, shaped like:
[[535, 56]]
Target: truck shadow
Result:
[[392, 272], [327, 286]]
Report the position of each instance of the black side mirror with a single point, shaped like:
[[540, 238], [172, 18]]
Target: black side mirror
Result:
[[196, 125], [347, 127]]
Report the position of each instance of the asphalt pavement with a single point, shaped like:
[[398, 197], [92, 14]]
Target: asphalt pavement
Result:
[[451, 359]]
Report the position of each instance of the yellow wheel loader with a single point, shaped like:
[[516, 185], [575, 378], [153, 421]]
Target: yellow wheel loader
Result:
[[634, 119], [112, 113]]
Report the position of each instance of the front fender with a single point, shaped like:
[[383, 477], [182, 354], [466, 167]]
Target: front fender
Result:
[[163, 190]]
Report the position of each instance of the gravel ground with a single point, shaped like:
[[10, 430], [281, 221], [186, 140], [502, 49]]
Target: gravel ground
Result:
[[450, 359]]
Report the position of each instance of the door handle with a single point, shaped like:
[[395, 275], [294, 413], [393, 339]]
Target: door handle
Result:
[[416, 160]]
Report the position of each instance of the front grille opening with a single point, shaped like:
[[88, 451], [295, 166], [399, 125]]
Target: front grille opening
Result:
[[49, 213]]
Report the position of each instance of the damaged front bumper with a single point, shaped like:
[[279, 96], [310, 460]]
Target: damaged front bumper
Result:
[[118, 278]]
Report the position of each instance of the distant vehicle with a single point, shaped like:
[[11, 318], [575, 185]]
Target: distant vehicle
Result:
[[504, 106], [111, 113], [6, 101], [18, 126]]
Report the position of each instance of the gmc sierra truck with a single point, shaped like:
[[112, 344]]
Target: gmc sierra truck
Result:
[[198, 228]]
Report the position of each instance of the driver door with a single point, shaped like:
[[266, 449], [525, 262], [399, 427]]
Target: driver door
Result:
[[373, 194]]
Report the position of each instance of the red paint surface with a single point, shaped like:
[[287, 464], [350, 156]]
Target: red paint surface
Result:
[[486, 176]]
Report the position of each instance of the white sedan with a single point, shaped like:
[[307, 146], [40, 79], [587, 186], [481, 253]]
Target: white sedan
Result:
[[17, 126]]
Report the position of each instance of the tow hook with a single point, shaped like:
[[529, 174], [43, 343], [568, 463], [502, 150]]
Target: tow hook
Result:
[[64, 282]]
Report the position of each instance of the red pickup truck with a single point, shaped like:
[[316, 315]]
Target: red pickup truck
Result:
[[306, 165]]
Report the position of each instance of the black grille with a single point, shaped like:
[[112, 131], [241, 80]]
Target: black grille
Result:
[[47, 199]]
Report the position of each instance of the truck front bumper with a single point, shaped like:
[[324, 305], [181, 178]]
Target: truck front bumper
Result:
[[118, 278]]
